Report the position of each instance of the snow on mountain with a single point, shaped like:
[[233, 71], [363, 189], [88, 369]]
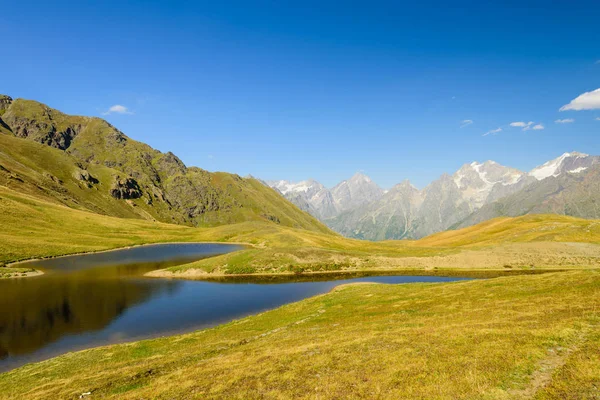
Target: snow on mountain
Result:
[[286, 187], [568, 162], [324, 203], [477, 180], [577, 170]]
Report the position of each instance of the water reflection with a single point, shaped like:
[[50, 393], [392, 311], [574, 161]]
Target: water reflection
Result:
[[85, 293], [50, 307], [91, 300]]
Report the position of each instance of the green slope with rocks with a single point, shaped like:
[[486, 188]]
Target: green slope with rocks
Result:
[[88, 164]]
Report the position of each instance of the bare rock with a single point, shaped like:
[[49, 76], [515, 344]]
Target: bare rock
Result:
[[126, 189]]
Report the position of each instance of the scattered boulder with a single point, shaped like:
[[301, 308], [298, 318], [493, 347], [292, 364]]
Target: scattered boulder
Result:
[[126, 189], [53, 178], [272, 218], [84, 176]]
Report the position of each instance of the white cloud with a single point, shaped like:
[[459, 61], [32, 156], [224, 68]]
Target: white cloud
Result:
[[585, 101], [117, 109], [466, 122], [538, 127], [564, 121], [493, 132], [597, 118], [520, 124]]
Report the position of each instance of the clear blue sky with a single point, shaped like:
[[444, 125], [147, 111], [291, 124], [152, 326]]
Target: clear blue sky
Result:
[[317, 89]]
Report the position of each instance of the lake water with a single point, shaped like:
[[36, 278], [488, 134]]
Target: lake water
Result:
[[96, 299]]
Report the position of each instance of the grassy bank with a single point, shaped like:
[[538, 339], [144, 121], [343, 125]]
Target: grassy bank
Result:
[[6, 272], [515, 337]]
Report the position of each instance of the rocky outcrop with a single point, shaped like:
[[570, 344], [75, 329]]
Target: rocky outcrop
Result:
[[49, 126], [5, 102], [126, 189], [84, 176]]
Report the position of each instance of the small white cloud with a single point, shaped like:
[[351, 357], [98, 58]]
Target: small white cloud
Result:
[[493, 132], [538, 127], [597, 118], [585, 101], [117, 109], [520, 124], [210, 156], [564, 121], [466, 122]]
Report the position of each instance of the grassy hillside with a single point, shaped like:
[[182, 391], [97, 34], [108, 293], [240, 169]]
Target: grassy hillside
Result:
[[529, 228], [504, 338], [35, 228], [86, 163]]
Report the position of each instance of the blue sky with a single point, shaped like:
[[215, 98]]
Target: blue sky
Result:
[[318, 89]]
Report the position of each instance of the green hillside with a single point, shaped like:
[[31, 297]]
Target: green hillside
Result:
[[86, 163]]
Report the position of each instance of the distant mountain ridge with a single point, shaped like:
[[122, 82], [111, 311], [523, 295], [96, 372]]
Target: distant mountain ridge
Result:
[[476, 192], [323, 203]]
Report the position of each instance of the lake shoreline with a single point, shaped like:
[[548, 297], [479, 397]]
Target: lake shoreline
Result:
[[201, 275], [15, 264]]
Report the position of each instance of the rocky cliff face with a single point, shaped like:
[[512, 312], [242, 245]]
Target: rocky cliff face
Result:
[[355, 192], [570, 193], [477, 181], [32, 120], [393, 216], [5, 102], [324, 203]]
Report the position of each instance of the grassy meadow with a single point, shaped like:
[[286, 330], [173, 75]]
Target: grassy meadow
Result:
[[33, 228], [503, 338]]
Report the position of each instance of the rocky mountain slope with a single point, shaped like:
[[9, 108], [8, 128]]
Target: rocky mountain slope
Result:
[[575, 193], [476, 192], [323, 203], [86, 163]]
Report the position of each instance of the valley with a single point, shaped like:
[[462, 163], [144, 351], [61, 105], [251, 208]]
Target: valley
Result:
[[76, 185]]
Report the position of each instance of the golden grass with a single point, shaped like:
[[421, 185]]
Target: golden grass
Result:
[[502, 338], [34, 228]]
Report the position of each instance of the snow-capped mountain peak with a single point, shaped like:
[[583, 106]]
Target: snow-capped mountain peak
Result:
[[287, 187], [359, 189], [567, 162], [476, 180]]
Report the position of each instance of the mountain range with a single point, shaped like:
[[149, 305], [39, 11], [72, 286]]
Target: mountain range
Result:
[[568, 185]]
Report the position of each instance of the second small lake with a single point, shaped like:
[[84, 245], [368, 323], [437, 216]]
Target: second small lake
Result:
[[90, 300]]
